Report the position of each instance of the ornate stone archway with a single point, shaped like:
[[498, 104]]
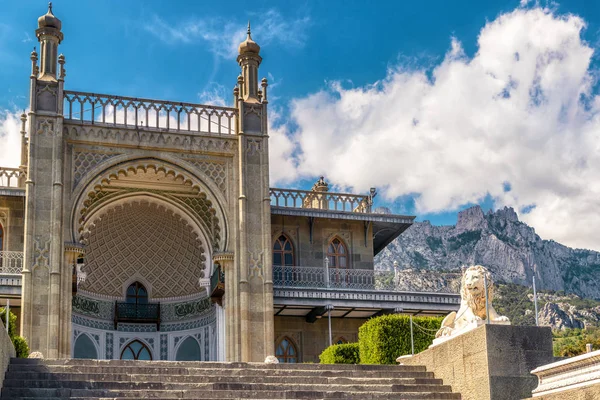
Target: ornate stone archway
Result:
[[159, 179]]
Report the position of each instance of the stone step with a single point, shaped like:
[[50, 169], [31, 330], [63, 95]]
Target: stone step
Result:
[[8, 393], [254, 386], [210, 364], [400, 371], [115, 379], [15, 379]]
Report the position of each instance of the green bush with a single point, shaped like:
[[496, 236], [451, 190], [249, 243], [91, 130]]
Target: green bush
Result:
[[21, 346], [383, 339], [346, 353], [12, 328]]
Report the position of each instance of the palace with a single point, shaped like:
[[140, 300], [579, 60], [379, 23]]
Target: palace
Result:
[[146, 229]]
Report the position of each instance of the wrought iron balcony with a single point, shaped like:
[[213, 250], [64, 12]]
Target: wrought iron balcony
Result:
[[137, 313], [217, 285], [321, 200], [339, 278], [11, 262], [119, 111]]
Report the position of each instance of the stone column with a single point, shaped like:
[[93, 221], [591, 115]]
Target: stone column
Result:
[[43, 259], [230, 305], [72, 252]]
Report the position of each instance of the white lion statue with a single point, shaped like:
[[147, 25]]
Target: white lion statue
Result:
[[472, 312]]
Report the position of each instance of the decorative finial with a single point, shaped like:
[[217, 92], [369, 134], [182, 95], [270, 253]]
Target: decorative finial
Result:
[[50, 7], [250, 37]]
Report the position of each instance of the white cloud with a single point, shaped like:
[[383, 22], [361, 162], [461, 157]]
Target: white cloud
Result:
[[521, 111], [224, 36], [215, 94], [10, 139]]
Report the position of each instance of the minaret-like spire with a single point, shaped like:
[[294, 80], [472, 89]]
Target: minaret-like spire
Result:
[[49, 36], [249, 60]]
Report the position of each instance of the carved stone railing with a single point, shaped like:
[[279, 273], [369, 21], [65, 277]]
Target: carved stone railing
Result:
[[340, 278], [11, 177], [321, 200], [108, 110], [11, 262]]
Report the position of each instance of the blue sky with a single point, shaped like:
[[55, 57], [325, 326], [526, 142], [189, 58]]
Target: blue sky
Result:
[[328, 61]]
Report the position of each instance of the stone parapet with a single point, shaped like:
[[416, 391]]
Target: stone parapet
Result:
[[491, 362], [7, 351], [575, 377]]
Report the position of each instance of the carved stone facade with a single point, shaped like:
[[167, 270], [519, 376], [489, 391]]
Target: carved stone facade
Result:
[[147, 192], [152, 223]]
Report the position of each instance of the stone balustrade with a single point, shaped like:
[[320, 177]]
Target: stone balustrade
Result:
[[119, 111], [10, 177], [575, 377], [11, 262], [321, 200]]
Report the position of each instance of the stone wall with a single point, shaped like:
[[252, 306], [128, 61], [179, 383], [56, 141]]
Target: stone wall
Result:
[[312, 338], [12, 212], [308, 254], [7, 350], [492, 362]]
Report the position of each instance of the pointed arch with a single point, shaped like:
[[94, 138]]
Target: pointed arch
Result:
[[337, 253], [188, 350], [85, 347], [136, 294], [136, 350], [283, 251], [286, 351], [340, 340]]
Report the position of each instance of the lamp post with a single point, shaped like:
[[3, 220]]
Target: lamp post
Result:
[[329, 307]]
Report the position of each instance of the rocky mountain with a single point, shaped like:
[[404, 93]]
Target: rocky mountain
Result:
[[431, 257]]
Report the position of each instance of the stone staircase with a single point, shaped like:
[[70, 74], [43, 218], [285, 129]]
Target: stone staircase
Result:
[[105, 379]]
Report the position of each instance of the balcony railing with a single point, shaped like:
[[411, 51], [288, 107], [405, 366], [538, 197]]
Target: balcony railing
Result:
[[10, 177], [340, 278], [321, 200], [102, 109], [137, 313], [11, 262]]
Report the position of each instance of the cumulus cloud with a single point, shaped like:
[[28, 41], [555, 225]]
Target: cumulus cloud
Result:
[[224, 36], [517, 121], [10, 139]]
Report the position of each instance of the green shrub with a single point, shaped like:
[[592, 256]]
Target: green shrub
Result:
[[346, 353], [21, 346], [12, 328], [383, 339]]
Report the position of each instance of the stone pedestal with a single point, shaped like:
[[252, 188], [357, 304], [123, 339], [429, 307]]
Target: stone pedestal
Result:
[[491, 362]]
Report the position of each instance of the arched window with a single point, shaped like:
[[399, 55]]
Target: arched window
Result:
[[188, 350], [283, 251], [84, 348], [341, 340], [136, 294], [136, 350], [337, 253], [286, 351]]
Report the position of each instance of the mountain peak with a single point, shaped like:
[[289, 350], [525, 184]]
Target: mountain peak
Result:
[[470, 219], [507, 213]]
